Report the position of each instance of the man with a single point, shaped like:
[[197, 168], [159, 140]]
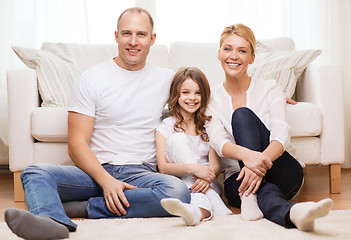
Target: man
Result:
[[115, 108]]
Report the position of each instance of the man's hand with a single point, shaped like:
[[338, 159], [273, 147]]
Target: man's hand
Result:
[[204, 172], [257, 162], [250, 181], [200, 185], [114, 196], [290, 101]]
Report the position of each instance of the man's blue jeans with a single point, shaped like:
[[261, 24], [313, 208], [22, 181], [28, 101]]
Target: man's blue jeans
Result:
[[47, 185], [280, 183]]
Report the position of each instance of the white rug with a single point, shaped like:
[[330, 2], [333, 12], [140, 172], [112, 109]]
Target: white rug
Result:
[[337, 225]]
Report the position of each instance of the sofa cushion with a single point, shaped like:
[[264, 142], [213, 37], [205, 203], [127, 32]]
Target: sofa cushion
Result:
[[200, 55], [305, 119], [55, 70], [50, 124], [283, 66], [56, 153], [85, 56], [279, 44], [308, 149]]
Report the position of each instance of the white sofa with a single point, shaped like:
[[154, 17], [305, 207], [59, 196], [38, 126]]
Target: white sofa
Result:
[[38, 134]]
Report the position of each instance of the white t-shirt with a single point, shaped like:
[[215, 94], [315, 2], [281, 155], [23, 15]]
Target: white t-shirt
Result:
[[265, 98], [127, 107], [199, 147]]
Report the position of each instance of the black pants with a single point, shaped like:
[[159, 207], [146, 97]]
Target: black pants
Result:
[[280, 183]]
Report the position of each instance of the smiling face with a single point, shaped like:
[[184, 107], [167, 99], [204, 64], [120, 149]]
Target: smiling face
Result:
[[134, 38], [235, 56], [190, 97]]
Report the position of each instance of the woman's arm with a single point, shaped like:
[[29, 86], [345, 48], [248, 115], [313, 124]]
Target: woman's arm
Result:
[[255, 161], [214, 161]]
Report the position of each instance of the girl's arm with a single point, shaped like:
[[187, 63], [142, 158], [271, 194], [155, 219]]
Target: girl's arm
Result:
[[179, 169], [214, 163]]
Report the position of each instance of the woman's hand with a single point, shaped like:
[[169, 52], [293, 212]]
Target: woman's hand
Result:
[[250, 181], [115, 197], [257, 162], [204, 172], [200, 185]]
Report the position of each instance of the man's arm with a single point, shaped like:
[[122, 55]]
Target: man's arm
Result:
[[80, 129]]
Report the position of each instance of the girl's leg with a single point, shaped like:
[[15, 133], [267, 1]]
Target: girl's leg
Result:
[[192, 214], [178, 150], [218, 206]]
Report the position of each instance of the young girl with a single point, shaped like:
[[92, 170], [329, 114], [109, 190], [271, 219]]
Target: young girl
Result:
[[183, 148]]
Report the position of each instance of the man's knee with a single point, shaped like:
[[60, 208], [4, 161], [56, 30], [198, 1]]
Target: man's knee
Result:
[[176, 188], [35, 171]]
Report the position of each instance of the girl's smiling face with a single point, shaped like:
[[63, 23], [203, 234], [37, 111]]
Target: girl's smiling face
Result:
[[190, 97]]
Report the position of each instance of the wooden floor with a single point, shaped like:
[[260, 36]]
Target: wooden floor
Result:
[[316, 187]]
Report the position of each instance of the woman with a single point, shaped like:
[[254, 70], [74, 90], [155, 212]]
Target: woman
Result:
[[249, 129]]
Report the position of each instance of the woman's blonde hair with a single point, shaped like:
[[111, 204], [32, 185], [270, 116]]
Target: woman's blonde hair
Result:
[[242, 31], [200, 117]]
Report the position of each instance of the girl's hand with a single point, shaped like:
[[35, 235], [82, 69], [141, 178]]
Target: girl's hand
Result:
[[250, 181], [204, 172], [200, 185]]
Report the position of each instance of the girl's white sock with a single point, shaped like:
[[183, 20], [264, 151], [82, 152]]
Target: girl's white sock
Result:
[[249, 208], [190, 213], [218, 206], [304, 214]]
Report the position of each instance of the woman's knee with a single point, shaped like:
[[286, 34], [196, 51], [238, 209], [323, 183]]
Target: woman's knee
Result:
[[241, 115]]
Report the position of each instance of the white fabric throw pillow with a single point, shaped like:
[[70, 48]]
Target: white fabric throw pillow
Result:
[[56, 73], [284, 66]]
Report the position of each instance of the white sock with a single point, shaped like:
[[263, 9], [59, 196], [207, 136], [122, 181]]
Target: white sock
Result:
[[304, 214], [218, 206], [190, 213], [249, 208]]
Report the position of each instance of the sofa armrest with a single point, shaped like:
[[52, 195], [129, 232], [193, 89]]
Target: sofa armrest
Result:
[[23, 97], [322, 85]]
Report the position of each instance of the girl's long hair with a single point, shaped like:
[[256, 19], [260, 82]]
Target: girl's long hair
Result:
[[200, 117]]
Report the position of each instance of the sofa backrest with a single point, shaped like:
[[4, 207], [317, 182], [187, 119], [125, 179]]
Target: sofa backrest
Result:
[[179, 54]]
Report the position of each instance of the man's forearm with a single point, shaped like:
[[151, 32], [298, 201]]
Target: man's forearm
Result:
[[86, 160]]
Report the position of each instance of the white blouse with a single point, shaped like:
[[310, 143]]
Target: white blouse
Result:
[[265, 98]]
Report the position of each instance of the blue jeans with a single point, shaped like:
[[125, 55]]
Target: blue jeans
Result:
[[280, 183], [46, 186]]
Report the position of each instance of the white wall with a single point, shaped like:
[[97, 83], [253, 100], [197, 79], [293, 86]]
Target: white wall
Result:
[[345, 59], [322, 24]]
